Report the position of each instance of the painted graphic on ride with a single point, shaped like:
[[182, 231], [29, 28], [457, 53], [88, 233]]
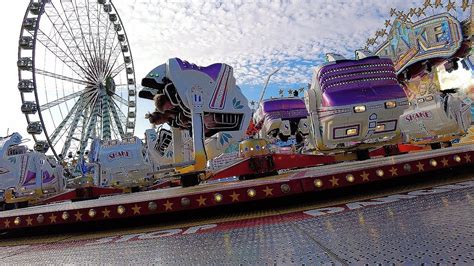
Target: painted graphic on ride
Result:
[[423, 85], [423, 115], [119, 154]]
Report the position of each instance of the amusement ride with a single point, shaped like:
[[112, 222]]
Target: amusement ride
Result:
[[382, 114]]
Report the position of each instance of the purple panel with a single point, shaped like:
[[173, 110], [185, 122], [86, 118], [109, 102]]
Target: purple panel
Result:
[[288, 114], [352, 63], [359, 81], [283, 104], [353, 71], [212, 71], [367, 94], [361, 78], [30, 178], [47, 177]]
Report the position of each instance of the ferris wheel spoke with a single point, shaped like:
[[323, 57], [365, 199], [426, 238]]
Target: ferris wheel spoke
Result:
[[110, 43], [73, 128], [117, 120], [61, 77], [86, 10], [63, 123], [112, 53], [122, 116], [117, 70], [83, 13], [113, 57], [122, 87], [108, 40], [57, 51], [90, 125], [120, 99], [95, 23], [66, 36], [61, 100], [75, 27]]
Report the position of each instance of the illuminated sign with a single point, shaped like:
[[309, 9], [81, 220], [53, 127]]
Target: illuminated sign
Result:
[[433, 37], [119, 154]]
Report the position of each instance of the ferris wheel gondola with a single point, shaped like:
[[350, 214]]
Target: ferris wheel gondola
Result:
[[76, 75]]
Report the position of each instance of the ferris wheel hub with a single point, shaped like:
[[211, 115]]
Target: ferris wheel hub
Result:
[[110, 86]]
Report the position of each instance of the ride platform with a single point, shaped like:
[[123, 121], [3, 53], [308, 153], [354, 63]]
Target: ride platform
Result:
[[307, 180]]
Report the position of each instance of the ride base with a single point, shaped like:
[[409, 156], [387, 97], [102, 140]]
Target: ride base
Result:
[[307, 180]]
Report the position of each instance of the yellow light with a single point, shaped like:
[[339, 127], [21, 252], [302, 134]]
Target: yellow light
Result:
[[120, 209], [65, 216], [350, 178], [218, 197], [185, 202], [359, 108], [390, 104], [351, 132], [429, 98], [285, 188], [17, 221], [92, 213], [40, 219], [380, 128], [433, 162], [457, 158], [379, 172], [152, 206], [318, 183], [407, 167], [251, 192]]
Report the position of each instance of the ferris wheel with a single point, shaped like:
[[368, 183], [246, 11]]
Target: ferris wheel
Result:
[[76, 75]]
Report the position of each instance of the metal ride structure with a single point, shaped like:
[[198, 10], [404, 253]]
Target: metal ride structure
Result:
[[76, 76]]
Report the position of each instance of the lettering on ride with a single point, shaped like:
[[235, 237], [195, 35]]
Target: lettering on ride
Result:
[[152, 235], [119, 154], [434, 37], [423, 115], [388, 199]]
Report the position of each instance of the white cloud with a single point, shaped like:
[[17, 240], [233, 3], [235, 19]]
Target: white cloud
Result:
[[254, 37]]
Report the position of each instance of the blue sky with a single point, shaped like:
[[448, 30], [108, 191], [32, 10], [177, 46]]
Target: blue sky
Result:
[[255, 37]]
